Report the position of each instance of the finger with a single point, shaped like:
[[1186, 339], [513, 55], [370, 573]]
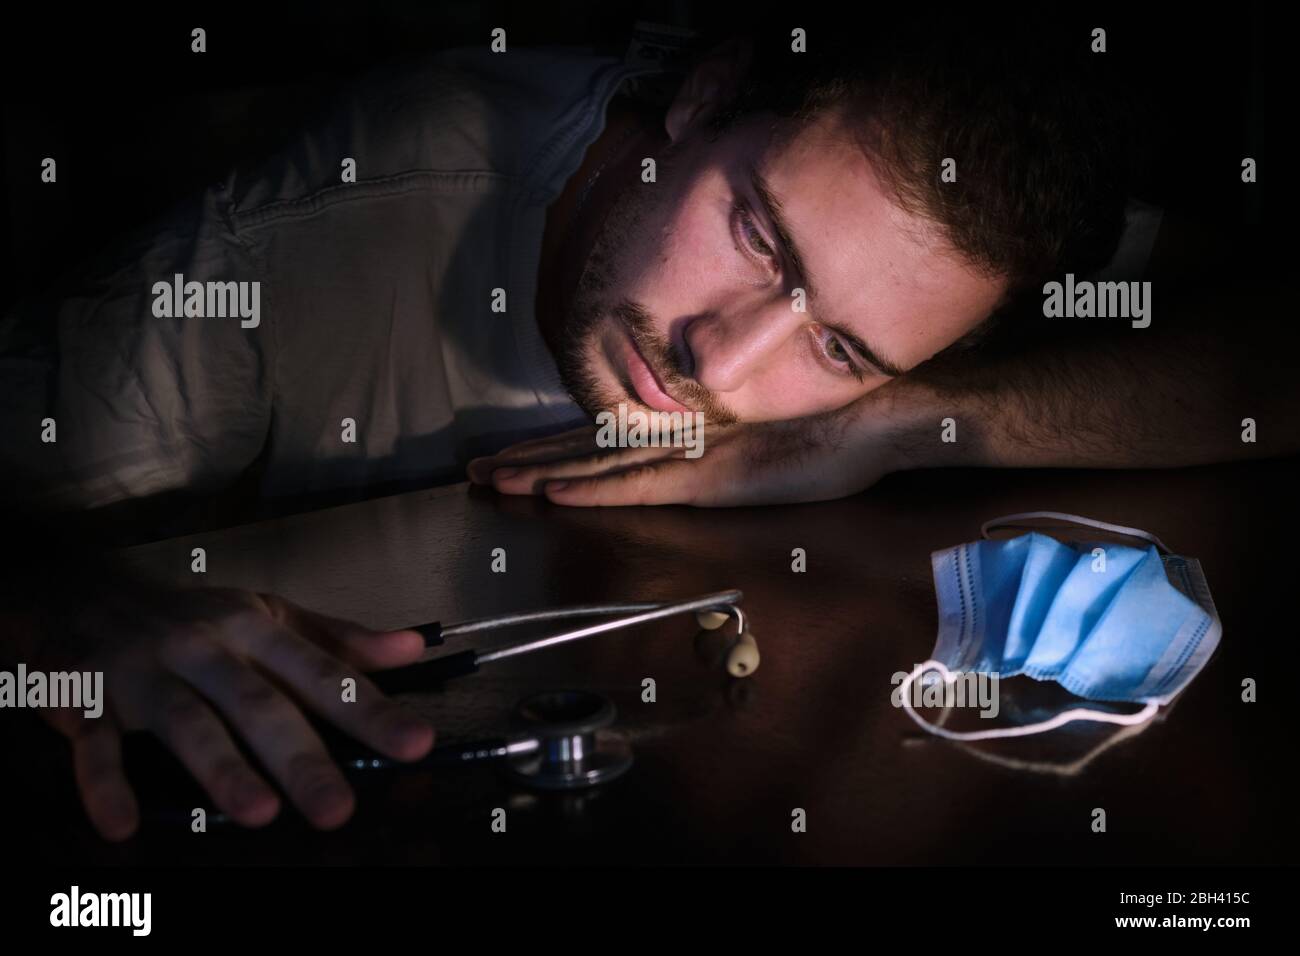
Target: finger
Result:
[[189, 728], [318, 680], [584, 434], [358, 645], [579, 441], [71, 722], [529, 480], [661, 483], [363, 648], [101, 780], [274, 727]]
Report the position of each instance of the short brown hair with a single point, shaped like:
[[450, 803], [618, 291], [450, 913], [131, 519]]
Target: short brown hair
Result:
[[1041, 134]]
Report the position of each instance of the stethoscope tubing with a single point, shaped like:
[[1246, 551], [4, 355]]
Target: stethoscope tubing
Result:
[[452, 754], [450, 666]]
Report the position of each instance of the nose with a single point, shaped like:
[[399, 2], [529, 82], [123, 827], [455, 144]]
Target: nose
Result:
[[728, 346]]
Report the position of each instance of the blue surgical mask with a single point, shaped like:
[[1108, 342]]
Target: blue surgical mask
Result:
[[1107, 622]]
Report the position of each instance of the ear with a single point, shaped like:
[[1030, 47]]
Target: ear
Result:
[[710, 85]]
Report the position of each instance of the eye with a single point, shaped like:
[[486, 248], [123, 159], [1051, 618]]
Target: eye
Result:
[[836, 354], [750, 234]]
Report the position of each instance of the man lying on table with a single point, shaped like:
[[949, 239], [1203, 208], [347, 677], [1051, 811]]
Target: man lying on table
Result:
[[810, 261]]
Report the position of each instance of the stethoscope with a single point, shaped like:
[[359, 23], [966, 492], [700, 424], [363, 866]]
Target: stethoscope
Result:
[[562, 739]]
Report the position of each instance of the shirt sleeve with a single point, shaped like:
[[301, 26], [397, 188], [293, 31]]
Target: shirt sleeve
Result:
[[103, 400]]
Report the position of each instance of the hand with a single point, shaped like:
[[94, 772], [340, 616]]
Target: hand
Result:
[[179, 663], [745, 464]]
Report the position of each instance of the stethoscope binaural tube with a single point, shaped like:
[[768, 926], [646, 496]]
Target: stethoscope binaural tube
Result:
[[742, 661]]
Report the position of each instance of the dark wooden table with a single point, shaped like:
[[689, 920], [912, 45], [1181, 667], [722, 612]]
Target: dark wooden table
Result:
[[722, 763]]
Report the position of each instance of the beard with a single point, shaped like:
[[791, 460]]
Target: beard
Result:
[[594, 302]]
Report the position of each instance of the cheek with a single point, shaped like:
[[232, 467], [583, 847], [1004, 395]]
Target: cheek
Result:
[[686, 254], [792, 386], [795, 388]]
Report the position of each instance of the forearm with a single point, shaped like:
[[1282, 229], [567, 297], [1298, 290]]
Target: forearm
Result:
[[1138, 399]]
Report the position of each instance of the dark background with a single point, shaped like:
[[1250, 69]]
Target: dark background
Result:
[[137, 121]]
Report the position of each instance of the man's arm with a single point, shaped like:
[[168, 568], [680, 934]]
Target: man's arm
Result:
[[1170, 395], [1177, 393]]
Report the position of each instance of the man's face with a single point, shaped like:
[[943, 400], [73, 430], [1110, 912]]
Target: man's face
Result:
[[689, 299]]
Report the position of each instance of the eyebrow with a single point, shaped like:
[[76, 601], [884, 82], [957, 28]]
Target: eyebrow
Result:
[[772, 207]]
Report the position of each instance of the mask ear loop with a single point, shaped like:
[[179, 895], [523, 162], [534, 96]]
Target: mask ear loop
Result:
[[1008, 520], [1071, 769], [1065, 717]]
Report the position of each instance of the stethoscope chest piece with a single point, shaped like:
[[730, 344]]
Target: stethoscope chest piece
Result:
[[575, 748]]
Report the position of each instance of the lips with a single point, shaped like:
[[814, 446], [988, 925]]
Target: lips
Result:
[[645, 383]]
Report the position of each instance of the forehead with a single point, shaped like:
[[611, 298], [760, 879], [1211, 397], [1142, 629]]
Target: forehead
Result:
[[884, 273]]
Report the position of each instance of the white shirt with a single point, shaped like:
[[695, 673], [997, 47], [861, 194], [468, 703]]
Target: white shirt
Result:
[[376, 300]]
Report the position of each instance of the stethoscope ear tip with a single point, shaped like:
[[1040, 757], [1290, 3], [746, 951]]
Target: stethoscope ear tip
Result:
[[743, 658], [711, 620]]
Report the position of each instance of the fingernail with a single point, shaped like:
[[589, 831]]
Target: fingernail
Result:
[[409, 640], [504, 473], [405, 730], [327, 795], [556, 485], [248, 794], [122, 812]]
